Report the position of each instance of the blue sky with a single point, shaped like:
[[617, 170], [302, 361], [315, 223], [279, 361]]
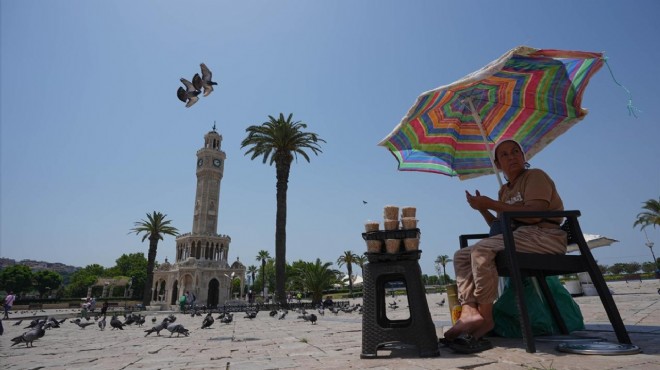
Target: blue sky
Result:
[[92, 136]]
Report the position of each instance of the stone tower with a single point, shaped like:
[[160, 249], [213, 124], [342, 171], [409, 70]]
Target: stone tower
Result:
[[201, 256]]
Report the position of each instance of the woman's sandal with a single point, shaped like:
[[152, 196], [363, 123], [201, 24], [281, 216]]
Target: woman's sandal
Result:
[[467, 344]]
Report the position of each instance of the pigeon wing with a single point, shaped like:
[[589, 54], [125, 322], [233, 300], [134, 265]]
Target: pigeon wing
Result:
[[181, 94], [191, 100], [206, 72], [197, 81]]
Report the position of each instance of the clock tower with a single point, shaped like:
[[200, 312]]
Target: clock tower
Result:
[[210, 168], [201, 265]]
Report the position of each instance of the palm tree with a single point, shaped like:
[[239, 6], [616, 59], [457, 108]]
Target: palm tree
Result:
[[651, 216], [315, 278], [360, 261], [252, 270], [280, 141], [153, 227], [348, 258], [263, 256], [443, 261]]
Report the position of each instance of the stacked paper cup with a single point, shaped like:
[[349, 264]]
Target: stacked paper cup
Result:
[[373, 246], [408, 222], [391, 222]]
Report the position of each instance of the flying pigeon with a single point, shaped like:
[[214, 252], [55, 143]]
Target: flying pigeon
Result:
[[205, 81], [188, 95]]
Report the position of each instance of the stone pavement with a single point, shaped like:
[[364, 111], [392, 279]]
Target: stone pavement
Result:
[[334, 343]]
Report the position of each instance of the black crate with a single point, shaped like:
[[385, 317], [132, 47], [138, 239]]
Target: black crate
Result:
[[391, 234]]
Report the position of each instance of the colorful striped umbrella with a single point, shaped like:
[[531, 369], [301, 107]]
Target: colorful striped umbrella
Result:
[[528, 94]]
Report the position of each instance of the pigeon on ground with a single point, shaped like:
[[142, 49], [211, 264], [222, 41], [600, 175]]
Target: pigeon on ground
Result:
[[81, 324], [208, 321], [29, 336], [188, 95], [178, 329], [116, 323], [321, 310], [205, 81], [282, 314], [227, 318], [171, 318], [251, 314], [272, 313], [102, 323], [163, 324], [153, 319], [334, 310], [221, 316], [312, 318], [441, 303], [18, 322]]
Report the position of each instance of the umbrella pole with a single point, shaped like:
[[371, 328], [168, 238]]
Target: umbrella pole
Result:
[[477, 119]]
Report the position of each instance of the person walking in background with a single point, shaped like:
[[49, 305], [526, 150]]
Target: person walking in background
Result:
[[182, 302], [9, 301]]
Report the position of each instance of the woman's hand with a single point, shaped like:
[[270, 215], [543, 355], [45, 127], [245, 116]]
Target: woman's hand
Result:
[[478, 201]]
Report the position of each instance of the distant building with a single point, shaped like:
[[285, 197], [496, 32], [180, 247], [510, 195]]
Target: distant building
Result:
[[201, 265]]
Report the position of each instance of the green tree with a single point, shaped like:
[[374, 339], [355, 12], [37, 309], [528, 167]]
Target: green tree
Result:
[[252, 270], [280, 141], [632, 267], [263, 256], [314, 278], [443, 261], [651, 215], [648, 267], [360, 261], [83, 279], [617, 268], [17, 278], [133, 266], [46, 280], [348, 258], [153, 228]]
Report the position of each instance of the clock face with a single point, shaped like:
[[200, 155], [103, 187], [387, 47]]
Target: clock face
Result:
[[217, 162], [200, 162]]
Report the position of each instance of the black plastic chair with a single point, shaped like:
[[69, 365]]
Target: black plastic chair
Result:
[[517, 265]]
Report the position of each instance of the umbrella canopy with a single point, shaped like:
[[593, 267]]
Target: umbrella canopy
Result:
[[528, 94], [593, 241]]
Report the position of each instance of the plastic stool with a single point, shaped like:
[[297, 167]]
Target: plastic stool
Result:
[[377, 329]]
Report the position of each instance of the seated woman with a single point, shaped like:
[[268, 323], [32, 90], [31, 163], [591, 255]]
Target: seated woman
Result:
[[476, 273]]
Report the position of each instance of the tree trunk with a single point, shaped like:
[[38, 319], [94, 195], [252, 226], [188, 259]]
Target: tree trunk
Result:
[[282, 169], [151, 262], [350, 279]]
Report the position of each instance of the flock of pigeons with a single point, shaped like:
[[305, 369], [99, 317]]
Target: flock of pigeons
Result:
[[189, 95], [37, 328]]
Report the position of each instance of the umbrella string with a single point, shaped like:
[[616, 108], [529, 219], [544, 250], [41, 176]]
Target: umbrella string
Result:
[[631, 108]]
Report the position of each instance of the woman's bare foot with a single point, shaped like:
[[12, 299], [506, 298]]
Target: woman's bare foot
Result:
[[484, 328], [469, 322]]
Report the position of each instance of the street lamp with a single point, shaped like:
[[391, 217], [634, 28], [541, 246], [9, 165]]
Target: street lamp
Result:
[[231, 280], [650, 244]]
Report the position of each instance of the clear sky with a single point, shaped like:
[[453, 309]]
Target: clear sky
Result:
[[93, 136]]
